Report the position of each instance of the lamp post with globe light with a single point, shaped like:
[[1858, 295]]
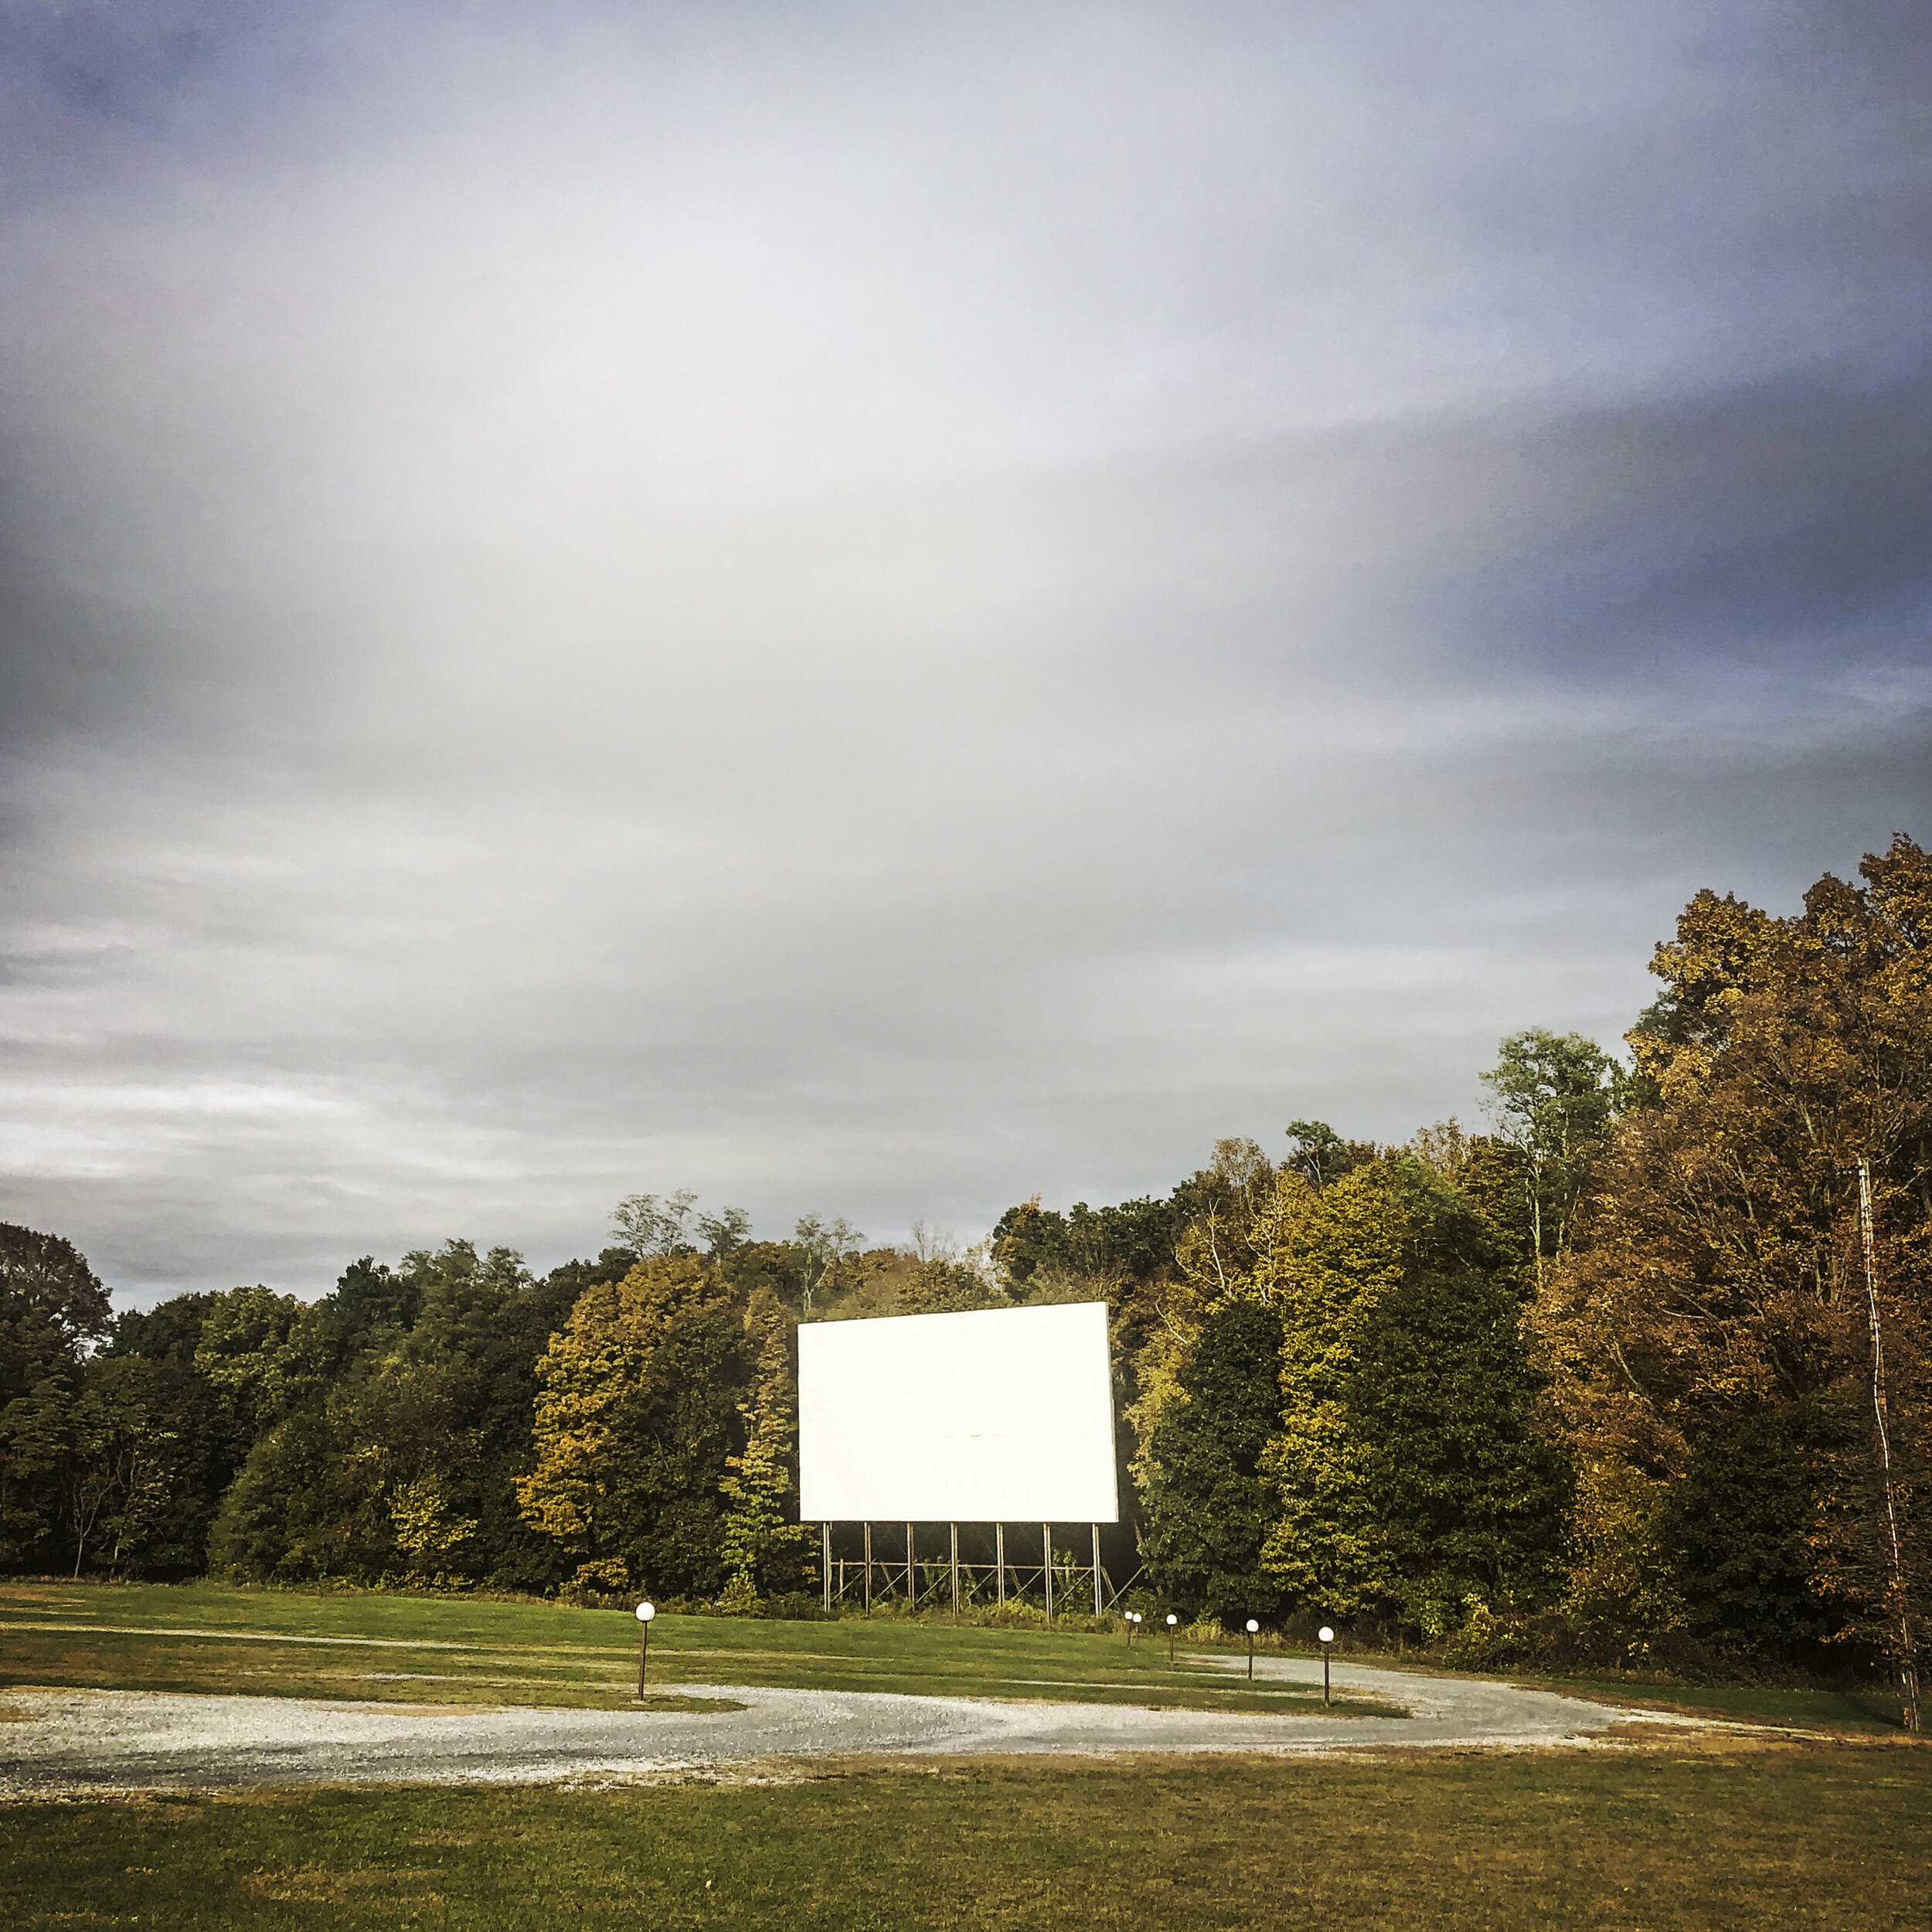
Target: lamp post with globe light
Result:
[[645, 1613], [1171, 1620], [1252, 1626], [1328, 1637]]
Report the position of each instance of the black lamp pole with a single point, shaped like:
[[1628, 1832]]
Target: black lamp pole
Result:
[[645, 1613]]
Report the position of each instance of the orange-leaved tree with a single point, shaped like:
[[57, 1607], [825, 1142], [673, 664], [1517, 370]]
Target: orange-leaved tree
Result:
[[1712, 1343]]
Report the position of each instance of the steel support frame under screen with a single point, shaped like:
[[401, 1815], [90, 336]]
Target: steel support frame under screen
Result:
[[920, 1578]]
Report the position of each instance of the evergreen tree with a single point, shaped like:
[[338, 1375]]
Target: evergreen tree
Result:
[[1469, 1491], [1208, 1508], [1411, 1478]]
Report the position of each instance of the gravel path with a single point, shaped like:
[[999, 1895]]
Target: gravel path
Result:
[[67, 1742]]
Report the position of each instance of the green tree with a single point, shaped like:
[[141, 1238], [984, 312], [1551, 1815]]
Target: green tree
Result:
[[1411, 1480], [374, 1481], [725, 1232], [51, 1305], [104, 1454], [303, 1506], [1133, 1240], [1338, 1253], [1469, 1490], [168, 1332], [1208, 1508], [372, 1306], [403, 1462], [636, 1413], [263, 1352], [485, 1323], [944, 1284], [1223, 1218], [1555, 1095], [209, 1428], [763, 1544], [1224, 1205], [821, 1247], [1735, 1532], [1320, 1155], [648, 1227], [1028, 1238]]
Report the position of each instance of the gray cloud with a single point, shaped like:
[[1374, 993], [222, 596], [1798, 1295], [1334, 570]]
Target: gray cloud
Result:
[[881, 611]]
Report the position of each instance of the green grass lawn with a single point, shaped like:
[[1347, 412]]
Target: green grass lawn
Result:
[[213, 1637], [1855, 1710], [1823, 1837]]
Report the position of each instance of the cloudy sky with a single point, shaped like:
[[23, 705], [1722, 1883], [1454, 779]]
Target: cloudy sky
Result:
[[877, 609]]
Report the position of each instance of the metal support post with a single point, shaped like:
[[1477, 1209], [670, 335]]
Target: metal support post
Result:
[[824, 1560], [1047, 1544], [911, 1576], [999, 1563], [1096, 1529], [869, 1570], [954, 1528]]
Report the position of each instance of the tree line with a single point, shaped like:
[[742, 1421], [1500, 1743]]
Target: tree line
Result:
[[1639, 1372]]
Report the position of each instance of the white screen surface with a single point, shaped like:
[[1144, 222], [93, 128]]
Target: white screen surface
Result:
[[1002, 1415]]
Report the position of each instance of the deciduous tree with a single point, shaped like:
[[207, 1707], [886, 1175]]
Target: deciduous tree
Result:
[[1718, 1296], [1554, 1096], [763, 1544], [636, 1413]]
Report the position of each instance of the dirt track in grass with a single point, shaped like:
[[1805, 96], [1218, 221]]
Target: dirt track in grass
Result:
[[67, 1742]]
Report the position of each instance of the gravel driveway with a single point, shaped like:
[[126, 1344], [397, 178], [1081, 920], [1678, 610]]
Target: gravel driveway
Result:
[[63, 1742]]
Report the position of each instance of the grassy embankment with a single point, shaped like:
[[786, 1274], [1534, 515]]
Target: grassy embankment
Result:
[[1676, 1836], [212, 1636]]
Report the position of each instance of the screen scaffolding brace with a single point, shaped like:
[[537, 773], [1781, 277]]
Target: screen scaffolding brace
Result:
[[964, 1578]]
